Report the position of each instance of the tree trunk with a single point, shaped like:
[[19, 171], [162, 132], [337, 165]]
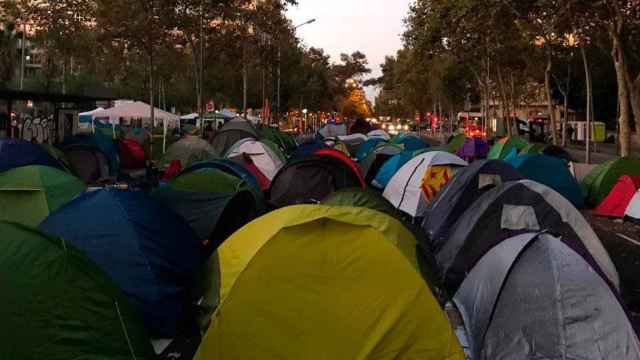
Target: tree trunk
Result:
[[635, 103], [623, 94], [587, 73], [503, 96], [552, 115]]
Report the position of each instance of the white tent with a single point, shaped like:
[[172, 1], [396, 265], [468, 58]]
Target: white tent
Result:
[[137, 110], [189, 117], [92, 112], [379, 134], [633, 210], [263, 157], [405, 191]]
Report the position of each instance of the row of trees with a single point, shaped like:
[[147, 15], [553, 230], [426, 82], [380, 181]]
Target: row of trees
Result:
[[489, 51], [177, 52]]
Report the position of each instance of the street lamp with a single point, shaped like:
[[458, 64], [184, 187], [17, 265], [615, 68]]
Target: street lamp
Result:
[[311, 21]]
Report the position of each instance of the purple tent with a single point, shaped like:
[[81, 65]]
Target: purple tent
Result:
[[473, 148]]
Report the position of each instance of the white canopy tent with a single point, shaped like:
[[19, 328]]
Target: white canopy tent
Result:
[[137, 110], [189, 117]]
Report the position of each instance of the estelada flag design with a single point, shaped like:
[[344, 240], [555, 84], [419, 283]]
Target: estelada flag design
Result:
[[434, 179]]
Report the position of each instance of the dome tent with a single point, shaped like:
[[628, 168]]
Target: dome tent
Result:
[[505, 147], [616, 203], [264, 158], [88, 162], [356, 197], [16, 153], [104, 143], [367, 147], [420, 179], [510, 209], [30, 193], [548, 299], [374, 161], [188, 150], [460, 193], [148, 251], [278, 271], [599, 182], [232, 132], [58, 305]]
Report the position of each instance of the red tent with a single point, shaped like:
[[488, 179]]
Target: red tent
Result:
[[344, 158], [615, 204], [132, 155]]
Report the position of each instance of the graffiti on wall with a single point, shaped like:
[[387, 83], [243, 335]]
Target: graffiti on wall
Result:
[[40, 130]]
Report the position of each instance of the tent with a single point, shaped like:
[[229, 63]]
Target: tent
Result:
[[632, 212], [374, 161], [88, 163], [460, 193], [311, 179], [456, 142], [137, 110], [231, 168], [390, 168], [599, 182], [353, 142], [411, 142], [103, 143], [419, 180], [264, 157], [504, 146], [510, 209], [15, 153], [533, 149], [557, 152], [616, 203], [58, 305], [145, 248], [367, 147], [59, 155], [533, 297], [552, 172], [29, 193], [307, 149], [132, 155], [247, 162], [333, 130], [355, 168], [360, 126], [232, 132], [356, 197], [280, 139], [304, 277], [473, 148], [580, 170], [379, 134], [188, 150]]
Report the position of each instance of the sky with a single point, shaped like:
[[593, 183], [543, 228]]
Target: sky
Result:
[[343, 26]]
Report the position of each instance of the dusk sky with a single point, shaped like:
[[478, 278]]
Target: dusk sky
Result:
[[343, 26]]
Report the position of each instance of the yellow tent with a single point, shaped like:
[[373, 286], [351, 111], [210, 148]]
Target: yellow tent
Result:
[[318, 282]]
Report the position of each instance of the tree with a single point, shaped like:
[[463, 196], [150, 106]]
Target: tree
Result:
[[9, 50]]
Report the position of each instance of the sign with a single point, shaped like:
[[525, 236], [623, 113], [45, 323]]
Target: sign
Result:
[[211, 106]]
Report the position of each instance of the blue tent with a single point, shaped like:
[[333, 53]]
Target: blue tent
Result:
[[147, 250], [16, 153], [412, 143], [102, 143], [390, 168], [308, 149], [552, 172], [366, 148]]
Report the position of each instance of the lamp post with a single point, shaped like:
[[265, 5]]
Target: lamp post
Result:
[[278, 103]]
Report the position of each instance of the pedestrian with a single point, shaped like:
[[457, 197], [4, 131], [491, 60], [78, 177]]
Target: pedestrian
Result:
[[570, 132]]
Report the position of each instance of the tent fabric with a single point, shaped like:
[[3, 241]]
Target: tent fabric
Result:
[[557, 152], [297, 274], [188, 150], [29, 193], [346, 160], [136, 110], [232, 132], [353, 142], [311, 179], [598, 184], [404, 190], [88, 163], [103, 143], [145, 248], [632, 212], [456, 143], [552, 172], [356, 197], [308, 149], [333, 130], [213, 216], [480, 228], [533, 149], [15, 153], [549, 301], [367, 147], [473, 148], [390, 168], [505, 146], [58, 305], [616, 203], [248, 163], [412, 142], [380, 134], [132, 155], [374, 161], [59, 155], [264, 158], [229, 167], [460, 193]]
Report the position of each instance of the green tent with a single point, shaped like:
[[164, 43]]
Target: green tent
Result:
[[501, 149], [356, 197], [456, 143], [32, 192], [276, 149], [533, 149], [207, 180], [599, 182], [58, 305], [58, 155]]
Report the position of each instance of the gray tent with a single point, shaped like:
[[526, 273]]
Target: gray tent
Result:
[[374, 161], [460, 193], [232, 132], [533, 297], [511, 209]]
